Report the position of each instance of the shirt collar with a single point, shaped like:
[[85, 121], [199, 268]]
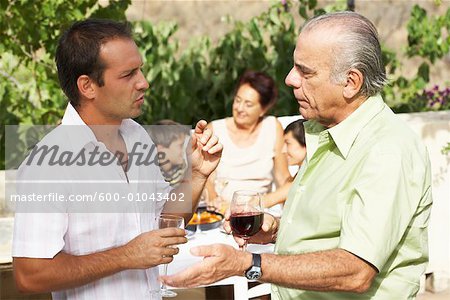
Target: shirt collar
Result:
[[81, 135], [71, 116], [78, 133], [312, 132], [345, 133]]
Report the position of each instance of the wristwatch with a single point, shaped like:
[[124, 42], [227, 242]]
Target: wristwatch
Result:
[[254, 272]]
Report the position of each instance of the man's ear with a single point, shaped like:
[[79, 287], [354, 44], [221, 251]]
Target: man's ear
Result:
[[86, 87], [354, 83]]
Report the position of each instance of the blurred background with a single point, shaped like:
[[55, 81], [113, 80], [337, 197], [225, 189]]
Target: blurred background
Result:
[[194, 52]]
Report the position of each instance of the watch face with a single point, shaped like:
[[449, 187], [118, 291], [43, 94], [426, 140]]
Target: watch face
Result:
[[253, 274]]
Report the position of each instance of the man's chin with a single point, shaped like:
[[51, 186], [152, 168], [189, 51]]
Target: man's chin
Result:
[[303, 112], [135, 114]]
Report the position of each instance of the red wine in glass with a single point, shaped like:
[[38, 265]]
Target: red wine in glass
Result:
[[247, 214], [246, 224]]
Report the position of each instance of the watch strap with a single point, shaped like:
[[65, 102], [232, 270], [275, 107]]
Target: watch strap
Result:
[[256, 260]]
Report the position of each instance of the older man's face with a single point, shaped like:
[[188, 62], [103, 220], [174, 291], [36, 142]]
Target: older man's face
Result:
[[318, 97]]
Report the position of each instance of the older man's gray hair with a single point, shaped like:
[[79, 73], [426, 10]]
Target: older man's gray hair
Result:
[[358, 48]]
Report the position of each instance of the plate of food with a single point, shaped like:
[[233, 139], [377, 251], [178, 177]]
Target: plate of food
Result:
[[207, 220]]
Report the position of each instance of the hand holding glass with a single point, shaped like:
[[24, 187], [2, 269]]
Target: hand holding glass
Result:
[[167, 221], [247, 215]]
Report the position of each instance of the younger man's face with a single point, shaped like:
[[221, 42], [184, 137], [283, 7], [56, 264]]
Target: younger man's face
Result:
[[122, 94]]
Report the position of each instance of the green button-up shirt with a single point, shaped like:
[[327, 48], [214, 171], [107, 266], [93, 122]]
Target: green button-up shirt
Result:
[[366, 189]]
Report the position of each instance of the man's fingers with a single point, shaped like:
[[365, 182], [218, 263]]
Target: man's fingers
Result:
[[269, 222], [166, 259], [200, 126], [170, 251], [227, 227], [210, 142], [204, 272], [172, 232], [239, 241], [202, 132], [209, 250], [267, 226], [205, 136], [216, 149], [203, 251], [186, 278], [170, 241]]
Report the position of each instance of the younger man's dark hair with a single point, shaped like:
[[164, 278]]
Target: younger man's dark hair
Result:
[[78, 52]]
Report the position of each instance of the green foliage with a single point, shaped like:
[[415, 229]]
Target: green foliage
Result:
[[29, 30], [429, 39], [200, 81], [197, 81], [433, 99], [446, 149], [308, 8], [425, 36]]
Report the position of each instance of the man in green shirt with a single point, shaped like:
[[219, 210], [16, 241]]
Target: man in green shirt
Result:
[[355, 222]]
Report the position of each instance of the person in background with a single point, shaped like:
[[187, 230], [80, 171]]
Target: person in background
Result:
[[295, 150], [252, 157], [170, 139], [354, 225]]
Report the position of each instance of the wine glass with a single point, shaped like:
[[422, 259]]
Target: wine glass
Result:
[[220, 183], [247, 215], [167, 221]]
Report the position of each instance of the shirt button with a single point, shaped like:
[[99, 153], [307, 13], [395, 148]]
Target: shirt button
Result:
[[274, 288], [289, 221]]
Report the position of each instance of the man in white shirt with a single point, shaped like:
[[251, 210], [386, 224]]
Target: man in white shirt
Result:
[[80, 253]]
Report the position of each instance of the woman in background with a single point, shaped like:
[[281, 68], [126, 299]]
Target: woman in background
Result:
[[252, 142]]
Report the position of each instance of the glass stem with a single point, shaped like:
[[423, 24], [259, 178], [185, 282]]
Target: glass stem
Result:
[[163, 286], [244, 246]]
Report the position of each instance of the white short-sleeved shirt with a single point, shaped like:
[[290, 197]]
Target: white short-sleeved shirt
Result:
[[43, 235]]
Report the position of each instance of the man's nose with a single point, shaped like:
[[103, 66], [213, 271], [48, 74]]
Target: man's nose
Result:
[[293, 79], [142, 83]]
